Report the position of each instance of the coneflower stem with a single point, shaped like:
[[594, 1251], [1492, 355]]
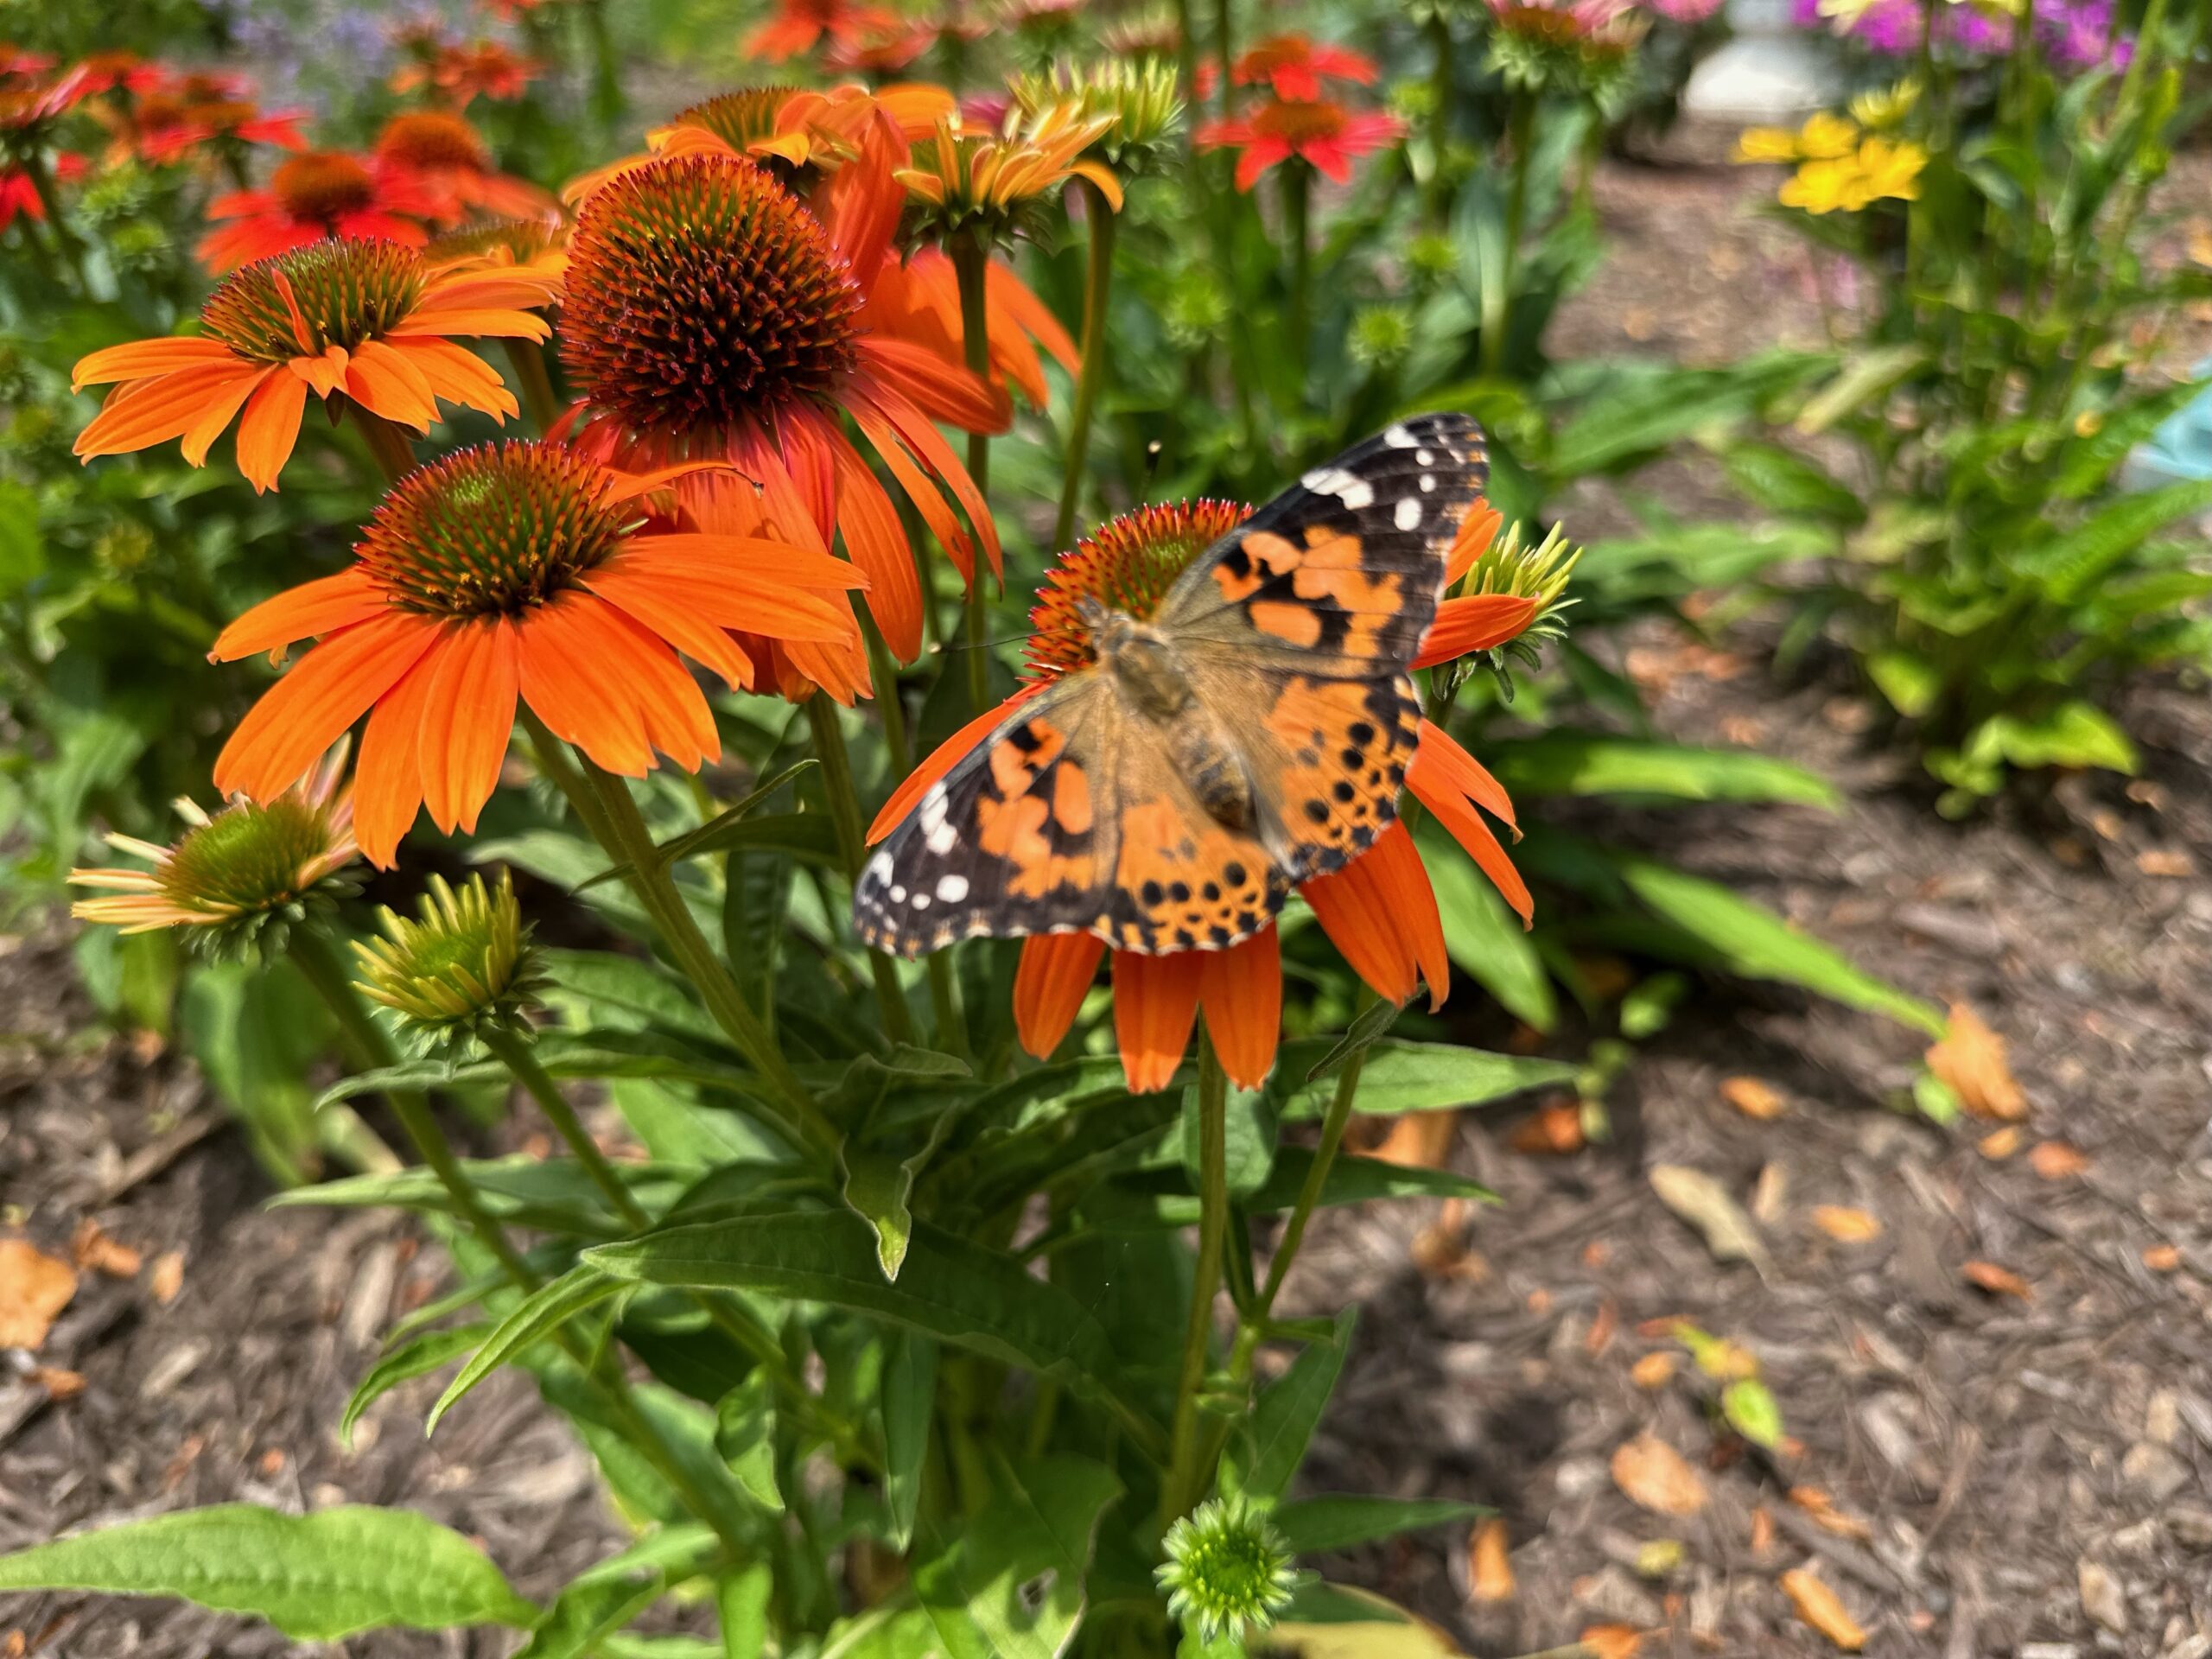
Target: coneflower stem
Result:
[[1186, 1479], [1224, 51], [852, 848], [539, 400], [971, 258], [388, 446], [372, 1050], [1443, 86], [64, 240], [1097, 283], [631, 843], [513, 1052], [311, 952], [890, 705], [1297, 201]]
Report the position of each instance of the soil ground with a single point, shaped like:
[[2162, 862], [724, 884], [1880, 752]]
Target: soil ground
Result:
[[1998, 1474]]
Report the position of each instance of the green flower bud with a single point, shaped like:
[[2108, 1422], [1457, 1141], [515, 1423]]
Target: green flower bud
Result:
[[1227, 1569]]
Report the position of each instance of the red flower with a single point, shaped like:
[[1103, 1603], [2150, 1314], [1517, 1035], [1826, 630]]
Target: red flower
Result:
[[1293, 67], [19, 195], [105, 72], [1325, 136], [800, 25], [187, 112], [462, 73], [442, 152], [318, 194], [1379, 910]]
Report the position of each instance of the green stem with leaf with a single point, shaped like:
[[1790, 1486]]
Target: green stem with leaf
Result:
[[852, 848], [1188, 1473], [972, 261], [1091, 375]]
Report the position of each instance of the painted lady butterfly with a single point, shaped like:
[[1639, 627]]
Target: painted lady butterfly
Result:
[[1253, 732]]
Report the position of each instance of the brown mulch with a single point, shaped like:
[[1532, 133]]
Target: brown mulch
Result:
[[2000, 1473]]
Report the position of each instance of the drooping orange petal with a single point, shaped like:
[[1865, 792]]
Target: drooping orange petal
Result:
[[388, 781], [783, 506], [269, 428], [216, 418], [1155, 1005], [1441, 763], [459, 376], [468, 712], [320, 607], [602, 681], [664, 607], [877, 542], [489, 323], [1474, 622], [943, 390], [1476, 531], [141, 359], [315, 702], [704, 558], [1241, 989], [1468, 827], [947, 755], [148, 412], [1054, 976], [929, 448], [804, 433], [383, 381], [921, 489], [1010, 294], [1381, 914]]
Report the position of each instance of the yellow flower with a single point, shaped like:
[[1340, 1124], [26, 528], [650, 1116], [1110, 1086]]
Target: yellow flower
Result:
[[968, 173], [1828, 136], [1881, 111], [1891, 171], [1822, 187], [1845, 14], [1766, 144]]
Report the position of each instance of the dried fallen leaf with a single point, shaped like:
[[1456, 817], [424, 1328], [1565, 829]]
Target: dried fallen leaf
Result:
[[1762, 1530], [1821, 1508], [1970, 1060], [1652, 1473], [34, 1288], [1550, 1131], [1610, 1641], [91, 1250], [2000, 1144], [1822, 1609], [1419, 1139], [1752, 1097], [1603, 1323], [2162, 1258], [1653, 1370], [167, 1276], [1999, 1282], [2170, 862], [1490, 1574], [2055, 1160], [1658, 1558], [1705, 1204], [1770, 1193], [1847, 1225]]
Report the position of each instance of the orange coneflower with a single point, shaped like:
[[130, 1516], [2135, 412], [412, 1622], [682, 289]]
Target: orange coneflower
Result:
[[191, 112], [1324, 134], [461, 74], [362, 320], [19, 192], [708, 314], [1293, 66], [538, 244], [442, 152], [239, 877], [508, 572], [1379, 909], [800, 25], [314, 195]]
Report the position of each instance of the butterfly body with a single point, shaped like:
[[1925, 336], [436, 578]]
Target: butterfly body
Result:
[[1251, 732]]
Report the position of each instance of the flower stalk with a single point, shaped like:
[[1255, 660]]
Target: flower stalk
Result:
[[388, 445], [971, 257], [1188, 1471], [1098, 285], [852, 846]]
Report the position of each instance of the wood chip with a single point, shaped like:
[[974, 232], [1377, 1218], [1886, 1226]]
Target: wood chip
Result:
[[1610, 1641], [1419, 1139], [1652, 1473], [2000, 1144], [93, 1251], [1821, 1508], [34, 1288], [167, 1276], [2171, 862], [1653, 1370], [2162, 1258], [1489, 1573], [2055, 1160], [1998, 1282], [1550, 1131], [1752, 1097], [1970, 1060], [1846, 1226], [1822, 1609]]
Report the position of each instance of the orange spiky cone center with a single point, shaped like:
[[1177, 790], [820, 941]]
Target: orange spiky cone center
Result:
[[1127, 564], [322, 186], [345, 293]]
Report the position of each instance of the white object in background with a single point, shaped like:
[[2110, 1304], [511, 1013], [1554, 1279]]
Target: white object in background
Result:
[[1768, 73]]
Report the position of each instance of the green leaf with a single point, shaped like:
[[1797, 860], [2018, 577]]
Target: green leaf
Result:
[[586, 1613], [909, 1402], [1403, 1077], [1749, 1406], [417, 1358], [1581, 763], [1264, 1454], [314, 1577], [1338, 1520], [2073, 735], [1354, 1179], [534, 1317], [1750, 940], [741, 1607], [1867, 375], [1249, 1122], [1911, 681], [1484, 938], [1011, 1585], [953, 1289], [1362, 1034], [2066, 567], [1776, 480], [745, 1434], [1637, 416]]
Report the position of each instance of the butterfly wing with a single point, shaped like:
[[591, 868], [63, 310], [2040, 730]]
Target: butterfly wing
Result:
[[1067, 818], [1296, 629]]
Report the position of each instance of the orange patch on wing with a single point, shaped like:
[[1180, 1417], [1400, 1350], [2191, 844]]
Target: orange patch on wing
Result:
[[1268, 555], [1187, 875], [1313, 720], [1072, 799], [1298, 624]]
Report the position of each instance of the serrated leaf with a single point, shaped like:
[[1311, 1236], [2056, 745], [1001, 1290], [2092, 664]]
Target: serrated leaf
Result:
[[586, 1613], [1340, 1520], [314, 1577], [536, 1317]]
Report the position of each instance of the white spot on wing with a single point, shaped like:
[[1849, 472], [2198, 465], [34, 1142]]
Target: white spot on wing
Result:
[[920, 901], [1425, 458], [942, 839], [1397, 437], [932, 808], [898, 895], [1408, 512], [879, 869], [952, 888], [1427, 483]]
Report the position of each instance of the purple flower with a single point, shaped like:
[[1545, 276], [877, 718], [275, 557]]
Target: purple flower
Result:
[[2075, 35]]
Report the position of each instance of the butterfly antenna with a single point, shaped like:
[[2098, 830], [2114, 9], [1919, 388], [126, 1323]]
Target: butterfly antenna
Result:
[[1004, 639]]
